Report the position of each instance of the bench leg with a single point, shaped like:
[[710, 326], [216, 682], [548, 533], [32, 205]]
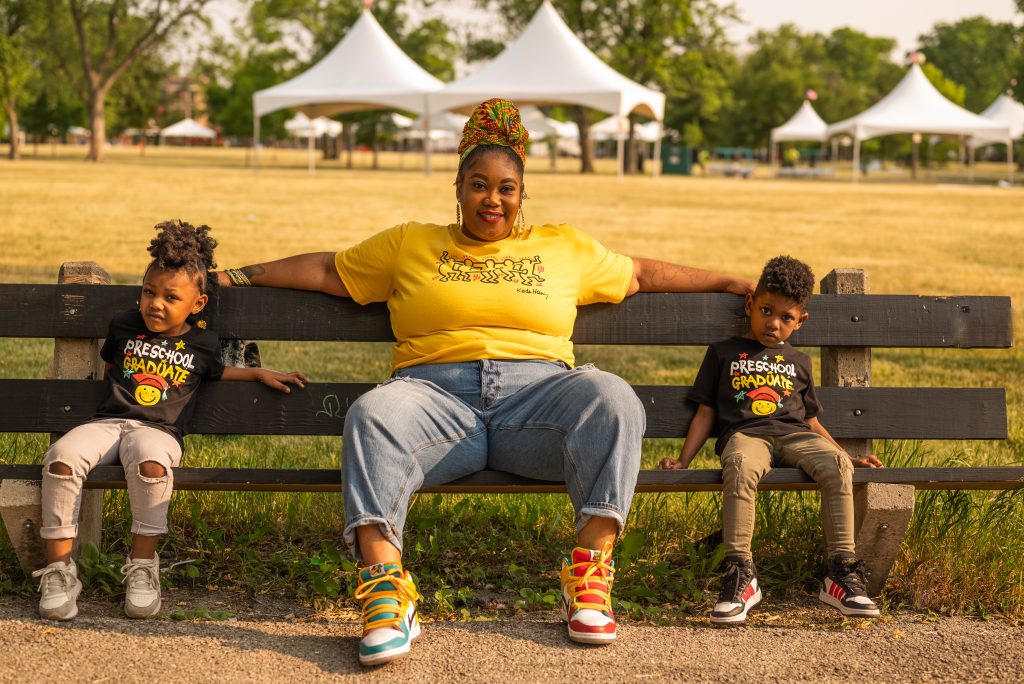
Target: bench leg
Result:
[[20, 508], [882, 513]]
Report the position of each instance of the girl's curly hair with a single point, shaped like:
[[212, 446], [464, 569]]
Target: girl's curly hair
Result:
[[181, 246], [788, 277]]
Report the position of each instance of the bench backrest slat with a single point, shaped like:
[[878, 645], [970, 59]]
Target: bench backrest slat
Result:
[[82, 311], [250, 408]]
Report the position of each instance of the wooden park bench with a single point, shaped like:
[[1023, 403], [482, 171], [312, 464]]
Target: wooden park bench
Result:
[[845, 322]]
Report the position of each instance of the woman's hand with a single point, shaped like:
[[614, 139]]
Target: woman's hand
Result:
[[672, 464], [741, 287]]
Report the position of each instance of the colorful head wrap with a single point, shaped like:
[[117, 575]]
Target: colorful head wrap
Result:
[[494, 122]]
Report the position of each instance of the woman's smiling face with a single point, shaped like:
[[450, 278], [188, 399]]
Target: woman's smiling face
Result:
[[490, 191]]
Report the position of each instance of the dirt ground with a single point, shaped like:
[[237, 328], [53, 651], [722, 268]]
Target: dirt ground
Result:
[[274, 640]]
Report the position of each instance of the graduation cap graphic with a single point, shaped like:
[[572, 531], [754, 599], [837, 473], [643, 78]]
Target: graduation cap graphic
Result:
[[151, 389], [764, 401]]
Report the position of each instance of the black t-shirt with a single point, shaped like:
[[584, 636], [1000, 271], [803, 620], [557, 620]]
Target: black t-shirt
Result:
[[154, 377], [756, 390]]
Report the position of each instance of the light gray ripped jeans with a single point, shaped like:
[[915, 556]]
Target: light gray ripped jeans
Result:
[[432, 424], [106, 442]]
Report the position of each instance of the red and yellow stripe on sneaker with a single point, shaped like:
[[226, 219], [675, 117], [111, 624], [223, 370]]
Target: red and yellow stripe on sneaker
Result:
[[587, 595]]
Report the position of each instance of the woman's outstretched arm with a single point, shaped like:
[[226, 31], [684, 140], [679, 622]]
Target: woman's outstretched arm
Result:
[[651, 275], [314, 271]]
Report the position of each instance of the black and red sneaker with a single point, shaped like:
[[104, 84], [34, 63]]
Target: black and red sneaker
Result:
[[844, 588], [740, 592]]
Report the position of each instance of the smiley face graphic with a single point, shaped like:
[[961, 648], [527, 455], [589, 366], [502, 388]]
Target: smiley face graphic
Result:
[[152, 388], [764, 401]]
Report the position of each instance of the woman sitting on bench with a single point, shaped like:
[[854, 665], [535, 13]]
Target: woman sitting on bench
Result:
[[484, 377]]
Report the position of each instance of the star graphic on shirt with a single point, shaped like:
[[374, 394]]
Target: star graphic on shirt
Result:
[[163, 343], [176, 383], [127, 373], [128, 353], [744, 355], [780, 358], [764, 358], [739, 396], [736, 374], [786, 393], [179, 345]]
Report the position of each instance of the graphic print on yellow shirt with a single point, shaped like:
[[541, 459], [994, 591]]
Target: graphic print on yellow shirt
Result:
[[756, 390], [454, 299]]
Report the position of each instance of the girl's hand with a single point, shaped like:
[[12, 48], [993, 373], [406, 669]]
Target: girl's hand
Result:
[[672, 464], [277, 379]]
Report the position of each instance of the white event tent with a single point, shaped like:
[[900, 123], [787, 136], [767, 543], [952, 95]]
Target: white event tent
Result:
[[1004, 110], [188, 128], [548, 64], [365, 71], [804, 125], [915, 106], [301, 126]]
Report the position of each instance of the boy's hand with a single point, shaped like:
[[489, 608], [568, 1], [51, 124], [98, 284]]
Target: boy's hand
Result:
[[672, 464], [869, 461], [276, 379]]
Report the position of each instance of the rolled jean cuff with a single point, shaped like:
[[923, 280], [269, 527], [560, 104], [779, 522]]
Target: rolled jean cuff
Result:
[[600, 511], [65, 532], [147, 530], [386, 528]]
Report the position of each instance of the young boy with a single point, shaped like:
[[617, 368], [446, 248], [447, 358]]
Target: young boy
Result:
[[757, 393]]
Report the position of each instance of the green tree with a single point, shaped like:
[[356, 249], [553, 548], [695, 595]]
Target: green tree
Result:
[[978, 53], [96, 42], [17, 19], [848, 69]]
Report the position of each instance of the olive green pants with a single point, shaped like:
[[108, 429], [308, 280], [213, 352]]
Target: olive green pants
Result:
[[747, 458]]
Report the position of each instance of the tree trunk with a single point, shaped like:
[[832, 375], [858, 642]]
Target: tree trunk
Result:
[[629, 158], [98, 126], [14, 154], [579, 114]]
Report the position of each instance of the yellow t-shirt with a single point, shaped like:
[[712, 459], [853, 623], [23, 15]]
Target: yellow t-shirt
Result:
[[453, 298]]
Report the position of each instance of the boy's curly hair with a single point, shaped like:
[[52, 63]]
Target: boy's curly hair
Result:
[[788, 277], [184, 247]]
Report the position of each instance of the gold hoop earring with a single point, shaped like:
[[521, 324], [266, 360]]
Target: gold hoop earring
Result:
[[458, 214], [522, 221]]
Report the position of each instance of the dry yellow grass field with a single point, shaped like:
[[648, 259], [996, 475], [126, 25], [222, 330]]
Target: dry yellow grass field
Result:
[[910, 238]]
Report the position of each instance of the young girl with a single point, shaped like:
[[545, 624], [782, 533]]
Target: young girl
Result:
[[155, 361]]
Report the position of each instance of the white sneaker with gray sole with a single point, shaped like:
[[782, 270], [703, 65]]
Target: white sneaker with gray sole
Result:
[[142, 577], [59, 587]]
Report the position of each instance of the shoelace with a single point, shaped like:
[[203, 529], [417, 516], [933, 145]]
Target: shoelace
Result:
[[605, 572], [852, 575], [733, 578], [136, 574], [384, 613], [54, 579]]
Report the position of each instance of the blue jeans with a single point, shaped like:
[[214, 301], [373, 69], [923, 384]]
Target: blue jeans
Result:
[[432, 424]]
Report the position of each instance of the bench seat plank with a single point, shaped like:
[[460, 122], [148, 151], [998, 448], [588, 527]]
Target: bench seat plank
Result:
[[646, 318], [489, 481], [319, 409]]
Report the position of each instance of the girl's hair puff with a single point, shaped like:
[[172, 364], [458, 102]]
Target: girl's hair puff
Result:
[[181, 246]]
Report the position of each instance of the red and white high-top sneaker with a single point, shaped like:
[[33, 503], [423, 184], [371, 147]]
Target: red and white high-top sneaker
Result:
[[587, 595]]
